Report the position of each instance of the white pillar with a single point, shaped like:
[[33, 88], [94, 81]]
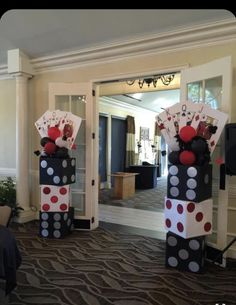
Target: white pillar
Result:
[[22, 156], [22, 148], [19, 66]]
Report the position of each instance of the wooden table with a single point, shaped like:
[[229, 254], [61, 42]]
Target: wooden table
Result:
[[124, 184]]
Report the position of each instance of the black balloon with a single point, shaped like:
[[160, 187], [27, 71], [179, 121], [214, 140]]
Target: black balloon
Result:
[[44, 141], [202, 159], [61, 152], [173, 157], [199, 145]]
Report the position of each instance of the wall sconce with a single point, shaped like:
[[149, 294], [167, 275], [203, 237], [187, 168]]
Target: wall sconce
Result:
[[166, 79]]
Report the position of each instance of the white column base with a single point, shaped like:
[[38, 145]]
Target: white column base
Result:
[[26, 216]]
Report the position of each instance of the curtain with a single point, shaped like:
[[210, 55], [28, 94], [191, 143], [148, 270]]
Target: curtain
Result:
[[130, 142]]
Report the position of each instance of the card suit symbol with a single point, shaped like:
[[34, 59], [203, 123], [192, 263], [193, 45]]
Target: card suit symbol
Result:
[[169, 118], [219, 160], [161, 126], [197, 117], [212, 143], [183, 114]]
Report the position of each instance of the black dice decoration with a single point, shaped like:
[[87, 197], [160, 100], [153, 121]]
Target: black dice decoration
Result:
[[56, 224], [57, 170], [191, 131], [185, 254], [189, 182]]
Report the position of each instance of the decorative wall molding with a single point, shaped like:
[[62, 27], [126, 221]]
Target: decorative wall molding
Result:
[[3, 72], [7, 172], [180, 39]]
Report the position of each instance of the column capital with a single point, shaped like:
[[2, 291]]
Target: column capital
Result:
[[19, 63], [22, 75]]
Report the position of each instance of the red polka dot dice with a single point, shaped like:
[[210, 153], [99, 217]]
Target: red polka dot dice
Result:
[[188, 219], [55, 198]]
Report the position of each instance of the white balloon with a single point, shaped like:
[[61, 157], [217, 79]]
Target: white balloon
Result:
[[174, 145], [61, 143]]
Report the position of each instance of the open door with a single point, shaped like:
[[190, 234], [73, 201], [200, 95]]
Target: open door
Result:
[[211, 83], [79, 99]]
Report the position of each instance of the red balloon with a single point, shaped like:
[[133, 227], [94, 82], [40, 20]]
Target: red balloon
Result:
[[54, 133], [50, 148], [186, 133], [187, 157]]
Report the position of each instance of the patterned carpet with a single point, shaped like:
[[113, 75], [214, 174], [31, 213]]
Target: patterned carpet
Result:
[[103, 267], [148, 199]]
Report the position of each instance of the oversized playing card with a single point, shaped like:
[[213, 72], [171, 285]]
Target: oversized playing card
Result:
[[164, 129], [165, 117], [66, 122], [43, 123], [187, 112], [208, 117], [70, 129]]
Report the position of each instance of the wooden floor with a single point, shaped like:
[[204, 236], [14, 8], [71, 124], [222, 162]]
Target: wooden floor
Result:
[[148, 220]]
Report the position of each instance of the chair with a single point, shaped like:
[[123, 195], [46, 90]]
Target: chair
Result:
[[5, 215]]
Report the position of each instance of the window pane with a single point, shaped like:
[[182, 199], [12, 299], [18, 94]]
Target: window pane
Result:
[[213, 92], [195, 92], [78, 105], [62, 102]]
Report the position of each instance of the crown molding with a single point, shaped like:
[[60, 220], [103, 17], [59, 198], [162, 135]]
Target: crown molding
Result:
[[180, 39]]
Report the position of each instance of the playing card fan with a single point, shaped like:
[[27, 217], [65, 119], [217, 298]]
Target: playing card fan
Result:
[[58, 131], [191, 132]]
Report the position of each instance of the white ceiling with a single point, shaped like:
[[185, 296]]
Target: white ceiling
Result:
[[154, 101], [45, 32]]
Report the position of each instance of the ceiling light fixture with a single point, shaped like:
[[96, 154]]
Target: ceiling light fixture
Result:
[[166, 79]]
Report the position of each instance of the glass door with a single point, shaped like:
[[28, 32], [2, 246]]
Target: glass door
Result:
[[78, 99], [211, 83]]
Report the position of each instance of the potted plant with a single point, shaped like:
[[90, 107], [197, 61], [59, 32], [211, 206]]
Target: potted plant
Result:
[[8, 195]]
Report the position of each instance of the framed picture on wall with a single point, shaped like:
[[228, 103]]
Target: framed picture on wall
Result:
[[144, 133]]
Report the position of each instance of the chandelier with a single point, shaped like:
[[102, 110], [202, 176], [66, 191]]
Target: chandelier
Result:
[[166, 79]]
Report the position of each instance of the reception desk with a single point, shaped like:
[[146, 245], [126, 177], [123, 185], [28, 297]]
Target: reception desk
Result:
[[147, 177], [124, 184]]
